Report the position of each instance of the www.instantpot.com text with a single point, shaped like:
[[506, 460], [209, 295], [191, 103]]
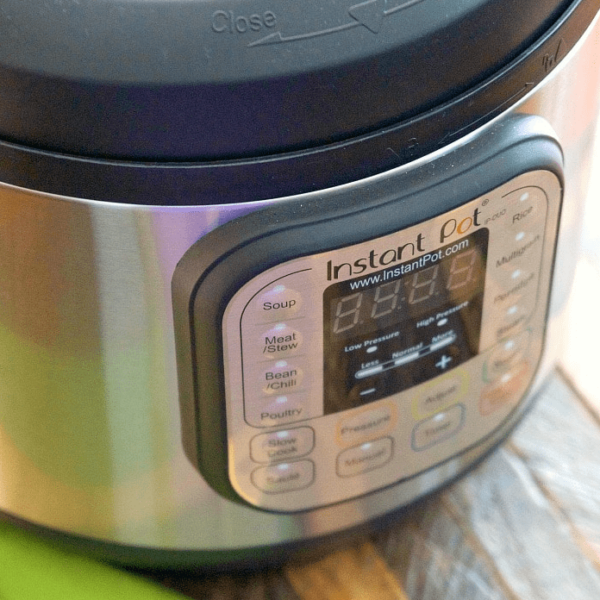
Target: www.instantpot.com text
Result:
[[426, 259], [376, 260]]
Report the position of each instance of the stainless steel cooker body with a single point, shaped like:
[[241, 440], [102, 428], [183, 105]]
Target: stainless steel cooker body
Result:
[[100, 411]]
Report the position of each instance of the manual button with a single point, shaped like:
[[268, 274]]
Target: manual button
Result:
[[364, 458], [282, 445]]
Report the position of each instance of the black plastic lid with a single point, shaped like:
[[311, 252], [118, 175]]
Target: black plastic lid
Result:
[[201, 80]]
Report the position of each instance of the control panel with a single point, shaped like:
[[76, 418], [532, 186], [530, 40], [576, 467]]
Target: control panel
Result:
[[338, 343], [352, 369]]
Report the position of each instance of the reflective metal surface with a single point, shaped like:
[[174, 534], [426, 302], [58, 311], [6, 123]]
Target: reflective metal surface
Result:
[[90, 436]]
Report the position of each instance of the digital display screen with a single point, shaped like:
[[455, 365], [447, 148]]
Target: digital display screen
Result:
[[389, 330]]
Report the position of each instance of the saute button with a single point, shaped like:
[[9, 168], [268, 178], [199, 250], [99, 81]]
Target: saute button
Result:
[[280, 341], [282, 445], [278, 303], [284, 477], [438, 428], [283, 377], [366, 457]]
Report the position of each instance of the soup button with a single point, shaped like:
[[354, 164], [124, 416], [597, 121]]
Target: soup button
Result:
[[277, 303]]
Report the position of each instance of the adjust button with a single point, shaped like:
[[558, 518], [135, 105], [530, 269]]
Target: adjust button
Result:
[[366, 457], [440, 393], [284, 477], [282, 445]]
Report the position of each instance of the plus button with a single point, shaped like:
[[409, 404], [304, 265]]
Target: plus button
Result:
[[443, 362]]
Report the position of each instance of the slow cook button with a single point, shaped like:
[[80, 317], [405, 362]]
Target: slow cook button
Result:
[[282, 445], [438, 428], [279, 341], [366, 457], [277, 303], [284, 477], [366, 425], [282, 378]]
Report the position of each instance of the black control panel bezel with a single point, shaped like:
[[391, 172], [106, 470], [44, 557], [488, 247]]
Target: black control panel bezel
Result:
[[217, 265]]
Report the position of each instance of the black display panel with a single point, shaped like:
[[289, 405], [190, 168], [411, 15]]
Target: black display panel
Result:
[[395, 328]]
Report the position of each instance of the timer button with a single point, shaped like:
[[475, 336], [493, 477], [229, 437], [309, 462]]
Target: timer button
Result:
[[283, 377], [282, 445], [438, 428], [278, 303], [280, 341]]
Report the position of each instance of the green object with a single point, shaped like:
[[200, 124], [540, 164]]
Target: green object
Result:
[[32, 569]]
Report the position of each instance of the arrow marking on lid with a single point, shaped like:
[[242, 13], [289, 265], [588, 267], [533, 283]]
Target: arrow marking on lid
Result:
[[463, 130], [368, 14]]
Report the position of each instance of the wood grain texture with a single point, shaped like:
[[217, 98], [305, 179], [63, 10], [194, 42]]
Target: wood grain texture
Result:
[[523, 525]]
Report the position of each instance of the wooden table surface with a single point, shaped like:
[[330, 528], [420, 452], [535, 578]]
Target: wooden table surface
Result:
[[524, 525]]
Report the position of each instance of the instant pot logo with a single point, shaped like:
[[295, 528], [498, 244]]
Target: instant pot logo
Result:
[[376, 260]]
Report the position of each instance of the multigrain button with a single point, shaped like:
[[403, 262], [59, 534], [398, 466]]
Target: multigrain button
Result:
[[438, 428], [282, 377], [366, 425], [279, 341], [277, 304], [282, 445], [364, 458], [284, 477]]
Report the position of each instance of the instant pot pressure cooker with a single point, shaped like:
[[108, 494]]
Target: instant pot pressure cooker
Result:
[[274, 270]]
